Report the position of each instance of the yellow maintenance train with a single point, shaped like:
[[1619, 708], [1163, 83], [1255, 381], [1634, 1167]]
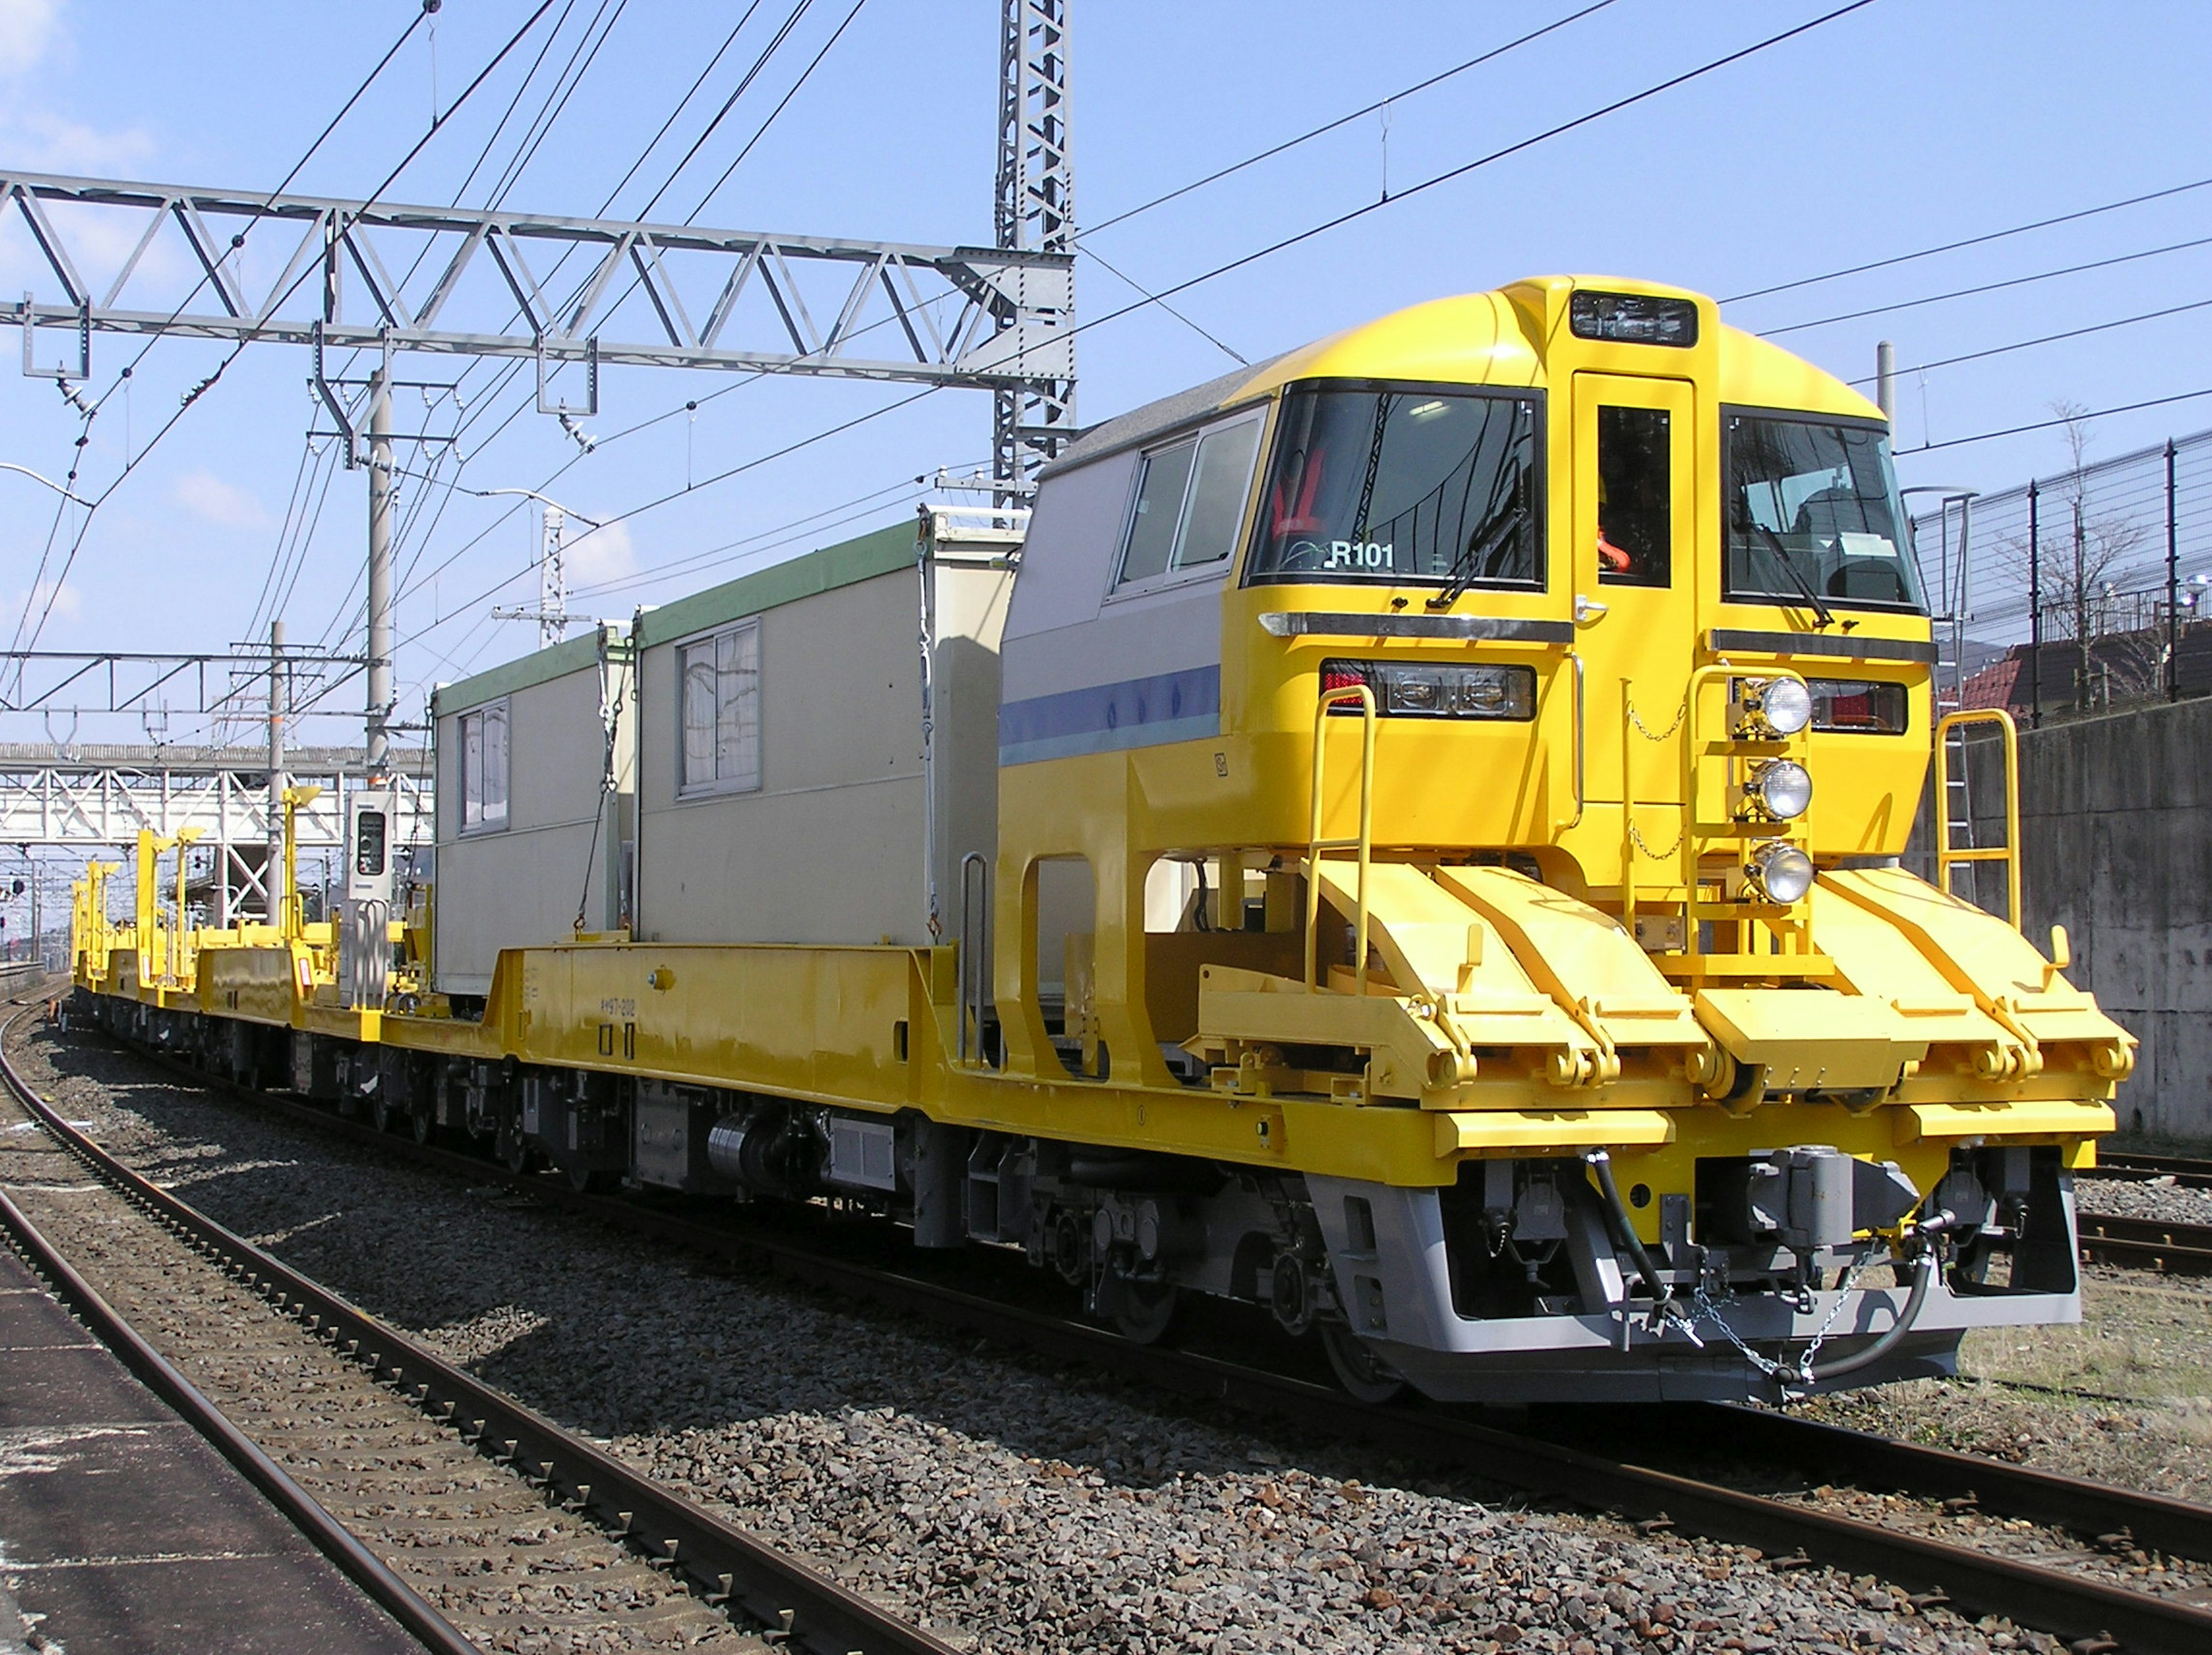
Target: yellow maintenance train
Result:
[[1407, 835]]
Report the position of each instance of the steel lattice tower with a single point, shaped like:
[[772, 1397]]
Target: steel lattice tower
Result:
[[1036, 213]]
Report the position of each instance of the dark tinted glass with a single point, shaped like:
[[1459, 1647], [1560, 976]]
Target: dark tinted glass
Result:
[[1635, 498], [1402, 485], [368, 849], [1812, 507]]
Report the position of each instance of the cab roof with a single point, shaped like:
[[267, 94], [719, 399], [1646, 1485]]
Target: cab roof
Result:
[[1475, 338]]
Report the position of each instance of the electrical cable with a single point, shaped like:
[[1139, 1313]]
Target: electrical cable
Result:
[[1126, 280], [1970, 241], [2062, 419], [682, 103], [208, 383], [804, 75], [124, 378], [2048, 338], [692, 403], [1327, 127], [1462, 170], [1988, 287], [744, 82]]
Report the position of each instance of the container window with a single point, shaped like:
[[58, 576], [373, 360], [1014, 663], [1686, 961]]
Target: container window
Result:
[[720, 711], [1635, 498], [483, 769]]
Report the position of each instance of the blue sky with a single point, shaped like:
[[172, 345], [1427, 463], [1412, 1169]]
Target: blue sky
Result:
[[1903, 125]]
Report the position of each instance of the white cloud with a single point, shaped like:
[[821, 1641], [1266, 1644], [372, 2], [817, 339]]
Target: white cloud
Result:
[[207, 495], [27, 32], [49, 143], [598, 555], [67, 605]]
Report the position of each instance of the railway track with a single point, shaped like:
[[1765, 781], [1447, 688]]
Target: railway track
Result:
[[2171, 1248], [2064, 1600], [512, 1527], [2189, 1173]]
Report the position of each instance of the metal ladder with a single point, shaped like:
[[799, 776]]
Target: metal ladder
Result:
[[1950, 855]]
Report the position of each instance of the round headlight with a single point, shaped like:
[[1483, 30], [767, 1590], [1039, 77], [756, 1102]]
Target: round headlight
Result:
[[1783, 789], [1780, 872], [1786, 705]]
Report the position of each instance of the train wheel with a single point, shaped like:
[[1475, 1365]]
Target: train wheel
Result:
[[1366, 1376], [381, 1111], [520, 1156], [423, 1124], [586, 1181], [1146, 1310]]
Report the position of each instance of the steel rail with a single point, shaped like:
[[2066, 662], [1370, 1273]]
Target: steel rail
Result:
[[2185, 1170], [2096, 1510], [732, 1567], [2150, 1244], [300, 1508], [2072, 1605]]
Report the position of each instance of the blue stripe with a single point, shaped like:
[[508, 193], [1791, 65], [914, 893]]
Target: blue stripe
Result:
[[1145, 712]]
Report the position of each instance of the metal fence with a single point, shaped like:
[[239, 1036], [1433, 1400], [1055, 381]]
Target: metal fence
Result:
[[2077, 591]]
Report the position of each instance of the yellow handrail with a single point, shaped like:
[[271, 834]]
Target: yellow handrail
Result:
[[1947, 856], [1316, 845]]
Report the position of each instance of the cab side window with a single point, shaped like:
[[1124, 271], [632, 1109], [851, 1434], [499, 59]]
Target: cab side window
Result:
[[1190, 502], [1635, 498]]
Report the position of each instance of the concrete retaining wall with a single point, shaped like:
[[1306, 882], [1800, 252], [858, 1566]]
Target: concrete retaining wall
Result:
[[2116, 813]]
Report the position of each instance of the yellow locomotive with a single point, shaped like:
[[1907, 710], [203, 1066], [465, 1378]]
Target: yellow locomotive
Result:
[[1407, 835]]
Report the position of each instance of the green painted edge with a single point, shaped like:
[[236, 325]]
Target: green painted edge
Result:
[[883, 551], [541, 667]]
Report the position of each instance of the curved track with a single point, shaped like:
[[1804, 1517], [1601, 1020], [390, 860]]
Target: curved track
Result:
[[759, 1586], [1972, 1580]]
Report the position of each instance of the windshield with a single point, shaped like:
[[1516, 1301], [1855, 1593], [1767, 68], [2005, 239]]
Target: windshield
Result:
[[1402, 486], [1812, 508]]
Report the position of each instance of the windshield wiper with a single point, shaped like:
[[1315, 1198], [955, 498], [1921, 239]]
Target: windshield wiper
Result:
[[1461, 574], [1826, 616]]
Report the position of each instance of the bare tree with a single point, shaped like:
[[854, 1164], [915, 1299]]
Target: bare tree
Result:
[[2073, 580]]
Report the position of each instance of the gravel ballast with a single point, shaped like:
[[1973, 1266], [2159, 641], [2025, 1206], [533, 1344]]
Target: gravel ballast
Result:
[[1031, 1505]]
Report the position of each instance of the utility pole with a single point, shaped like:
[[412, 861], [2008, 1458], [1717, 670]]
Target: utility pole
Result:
[[272, 870], [379, 575], [1885, 379]]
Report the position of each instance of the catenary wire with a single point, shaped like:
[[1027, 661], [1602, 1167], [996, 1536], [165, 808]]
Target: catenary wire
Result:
[[1466, 168], [2047, 338], [205, 385], [1612, 107], [1970, 241], [1989, 287], [1327, 127], [692, 403], [2062, 419], [124, 376]]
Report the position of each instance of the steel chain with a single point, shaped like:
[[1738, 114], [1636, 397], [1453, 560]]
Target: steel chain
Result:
[[1636, 837], [1801, 1371], [1647, 733]]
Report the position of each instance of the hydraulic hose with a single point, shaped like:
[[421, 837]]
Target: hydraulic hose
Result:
[[1924, 1267], [1624, 1233]]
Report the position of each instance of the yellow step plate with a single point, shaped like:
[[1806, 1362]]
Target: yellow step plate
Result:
[[1527, 1132], [2056, 1118]]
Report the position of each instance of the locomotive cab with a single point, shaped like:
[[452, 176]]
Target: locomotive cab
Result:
[[1515, 711]]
